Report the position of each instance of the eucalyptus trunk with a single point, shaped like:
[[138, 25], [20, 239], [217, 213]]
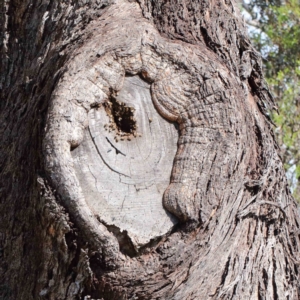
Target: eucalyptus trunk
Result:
[[138, 160]]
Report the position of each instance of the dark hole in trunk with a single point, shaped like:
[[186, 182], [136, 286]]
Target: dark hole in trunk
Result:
[[122, 116]]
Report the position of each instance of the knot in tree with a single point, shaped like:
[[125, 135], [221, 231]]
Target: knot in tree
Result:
[[144, 159]]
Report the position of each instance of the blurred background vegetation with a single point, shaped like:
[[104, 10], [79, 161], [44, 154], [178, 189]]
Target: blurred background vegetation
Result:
[[274, 28]]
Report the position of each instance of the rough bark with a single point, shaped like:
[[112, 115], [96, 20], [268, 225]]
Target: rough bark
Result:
[[64, 63]]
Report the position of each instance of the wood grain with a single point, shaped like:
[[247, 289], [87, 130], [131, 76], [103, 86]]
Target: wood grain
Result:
[[124, 176]]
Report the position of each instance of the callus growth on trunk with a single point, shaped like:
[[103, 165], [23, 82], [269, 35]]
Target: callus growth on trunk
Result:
[[145, 156]]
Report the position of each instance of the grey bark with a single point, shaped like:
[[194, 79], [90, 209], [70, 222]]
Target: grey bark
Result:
[[233, 229]]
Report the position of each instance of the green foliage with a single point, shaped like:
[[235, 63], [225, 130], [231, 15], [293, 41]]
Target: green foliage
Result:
[[276, 34]]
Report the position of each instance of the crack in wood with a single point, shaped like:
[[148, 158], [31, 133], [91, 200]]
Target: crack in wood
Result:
[[117, 150], [98, 151]]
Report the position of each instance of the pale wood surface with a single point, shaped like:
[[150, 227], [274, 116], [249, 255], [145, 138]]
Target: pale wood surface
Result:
[[123, 178]]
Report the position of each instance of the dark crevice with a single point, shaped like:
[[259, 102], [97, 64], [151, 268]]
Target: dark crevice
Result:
[[246, 262], [253, 85], [125, 243], [234, 291], [72, 242], [205, 36], [265, 278], [122, 116], [261, 293], [224, 275], [274, 280], [208, 186]]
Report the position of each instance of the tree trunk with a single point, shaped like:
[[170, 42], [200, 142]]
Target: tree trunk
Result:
[[137, 159]]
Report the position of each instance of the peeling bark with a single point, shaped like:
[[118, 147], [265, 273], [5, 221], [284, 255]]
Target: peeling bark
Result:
[[233, 230]]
